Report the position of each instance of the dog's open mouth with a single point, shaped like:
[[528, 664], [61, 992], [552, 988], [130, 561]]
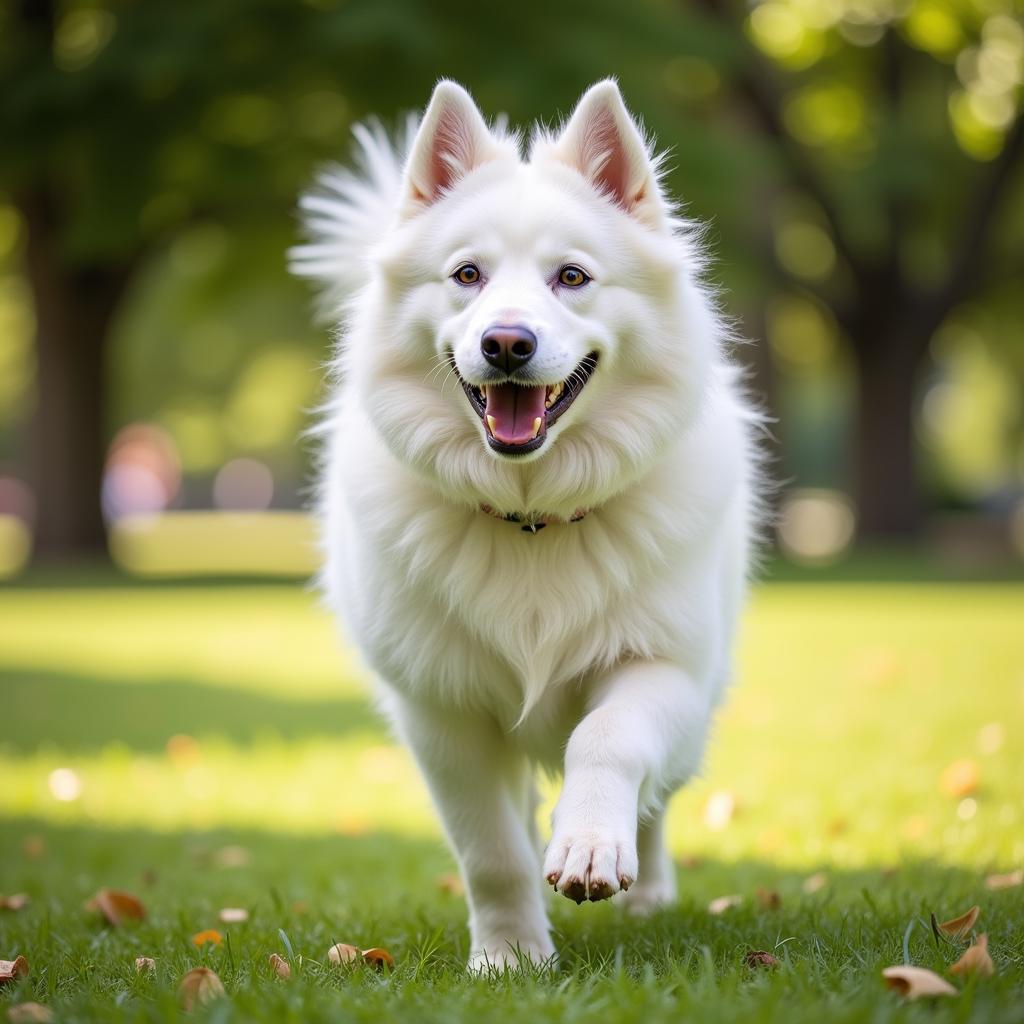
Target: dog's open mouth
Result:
[[516, 417]]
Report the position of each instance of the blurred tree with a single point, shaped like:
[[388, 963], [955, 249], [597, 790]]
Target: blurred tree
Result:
[[134, 119], [137, 123], [898, 133]]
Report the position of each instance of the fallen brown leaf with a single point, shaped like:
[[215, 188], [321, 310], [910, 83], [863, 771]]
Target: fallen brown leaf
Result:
[[975, 960], [11, 969], [232, 857], [916, 982], [724, 903], [768, 899], [144, 964], [280, 966], [34, 847], [815, 883], [234, 915], [691, 862], [198, 987], [183, 749], [958, 928], [379, 958], [342, 953], [29, 1013], [16, 901], [760, 958], [960, 778], [207, 936], [1010, 880], [116, 906], [451, 884]]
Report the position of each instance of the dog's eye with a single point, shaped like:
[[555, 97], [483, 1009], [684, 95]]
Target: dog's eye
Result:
[[468, 273], [572, 277]]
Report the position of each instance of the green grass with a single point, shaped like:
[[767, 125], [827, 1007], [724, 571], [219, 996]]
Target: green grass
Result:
[[852, 700]]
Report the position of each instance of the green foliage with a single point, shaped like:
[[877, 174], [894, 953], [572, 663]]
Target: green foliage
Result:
[[152, 123]]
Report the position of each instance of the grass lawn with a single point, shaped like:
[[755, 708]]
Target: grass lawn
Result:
[[211, 746]]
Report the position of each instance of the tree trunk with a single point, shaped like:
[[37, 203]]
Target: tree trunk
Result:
[[888, 497], [74, 307]]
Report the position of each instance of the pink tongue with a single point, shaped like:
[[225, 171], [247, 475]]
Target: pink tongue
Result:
[[512, 411]]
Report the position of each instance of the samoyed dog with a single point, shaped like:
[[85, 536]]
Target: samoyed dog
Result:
[[538, 492]]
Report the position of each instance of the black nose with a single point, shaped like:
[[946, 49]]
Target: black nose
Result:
[[508, 348]]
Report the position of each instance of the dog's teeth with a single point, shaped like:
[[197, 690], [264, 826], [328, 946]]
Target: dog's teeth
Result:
[[536, 426], [490, 423]]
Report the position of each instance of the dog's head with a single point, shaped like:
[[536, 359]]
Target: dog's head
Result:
[[532, 331]]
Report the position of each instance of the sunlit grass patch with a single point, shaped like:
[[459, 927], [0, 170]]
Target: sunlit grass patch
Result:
[[214, 746]]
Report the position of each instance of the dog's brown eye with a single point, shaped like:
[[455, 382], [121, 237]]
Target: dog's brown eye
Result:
[[572, 277], [467, 274]]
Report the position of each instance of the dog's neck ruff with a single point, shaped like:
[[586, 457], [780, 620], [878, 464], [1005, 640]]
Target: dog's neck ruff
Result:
[[532, 522]]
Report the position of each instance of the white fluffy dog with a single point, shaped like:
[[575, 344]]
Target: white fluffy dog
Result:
[[539, 490]]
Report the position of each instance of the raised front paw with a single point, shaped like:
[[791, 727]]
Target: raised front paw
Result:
[[592, 865]]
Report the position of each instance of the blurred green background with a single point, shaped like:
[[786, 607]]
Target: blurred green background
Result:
[[858, 162]]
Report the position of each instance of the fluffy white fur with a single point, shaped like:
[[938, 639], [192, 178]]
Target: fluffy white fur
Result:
[[597, 648]]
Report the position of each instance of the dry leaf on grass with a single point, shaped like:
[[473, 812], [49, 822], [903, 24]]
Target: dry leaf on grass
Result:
[[34, 847], [16, 901], [29, 1013], [199, 986], [342, 953], [768, 899], [815, 883], [975, 960], [958, 928], [117, 906], [280, 966], [11, 969], [144, 964], [379, 958], [917, 982], [1010, 880], [207, 936], [960, 778], [760, 958], [232, 857], [451, 884], [234, 915], [724, 903]]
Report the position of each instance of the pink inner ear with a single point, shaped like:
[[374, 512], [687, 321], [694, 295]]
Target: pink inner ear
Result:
[[605, 158], [451, 155]]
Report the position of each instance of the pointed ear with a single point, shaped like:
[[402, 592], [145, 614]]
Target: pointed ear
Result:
[[452, 140], [603, 142]]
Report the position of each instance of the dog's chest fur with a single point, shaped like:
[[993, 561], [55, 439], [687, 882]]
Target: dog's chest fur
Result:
[[482, 615]]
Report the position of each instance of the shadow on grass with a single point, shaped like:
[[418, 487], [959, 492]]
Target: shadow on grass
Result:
[[82, 713]]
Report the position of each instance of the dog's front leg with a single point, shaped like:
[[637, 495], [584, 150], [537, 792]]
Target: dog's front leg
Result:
[[642, 736], [477, 784]]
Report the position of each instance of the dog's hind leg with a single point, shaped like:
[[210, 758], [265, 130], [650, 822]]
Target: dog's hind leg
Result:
[[478, 786]]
